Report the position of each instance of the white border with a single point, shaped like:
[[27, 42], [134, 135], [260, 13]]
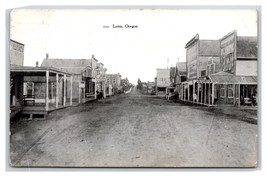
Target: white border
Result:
[[121, 172]]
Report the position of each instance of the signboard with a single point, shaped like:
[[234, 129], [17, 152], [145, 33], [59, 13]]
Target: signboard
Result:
[[192, 54], [228, 51]]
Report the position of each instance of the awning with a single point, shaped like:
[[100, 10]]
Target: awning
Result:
[[232, 79]]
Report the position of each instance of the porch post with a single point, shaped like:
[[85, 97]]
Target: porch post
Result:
[[205, 94], [212, 93], [243, 91], [234, 90], [64, 91], [188, 91], [209, 92], [95, 89], [71, 90], [239, 89], [194, 90], [51, 86], [225, 91], [79, 94], [84, 95], [197, 92], [202, 88], [183, 93], [57, 90], [47, 91], [105, 90]]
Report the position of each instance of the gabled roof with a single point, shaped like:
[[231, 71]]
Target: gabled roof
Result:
[[75, 66], [192, 41], [247, 47], [17, 42]]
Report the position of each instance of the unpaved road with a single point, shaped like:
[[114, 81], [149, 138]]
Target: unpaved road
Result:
[[134, 130]]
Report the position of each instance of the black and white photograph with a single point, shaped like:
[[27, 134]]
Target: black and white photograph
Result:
[[134, 87]]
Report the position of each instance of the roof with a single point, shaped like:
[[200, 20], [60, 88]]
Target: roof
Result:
[[247, 47], [227, 78], [229, 34], [17, 42], [114, 74], [29, 69], [75, 66], [192, 41]]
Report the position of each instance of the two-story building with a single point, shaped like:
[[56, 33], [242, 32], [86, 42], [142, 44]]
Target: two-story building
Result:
[[230, 79], [236, 83], [198, 55], [100, 81], [16, 53], [114, 82], [179, 76], [162, 81]]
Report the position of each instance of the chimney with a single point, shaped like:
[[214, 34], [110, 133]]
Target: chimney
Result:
[[47, 56], [93, 56], [37, 64]]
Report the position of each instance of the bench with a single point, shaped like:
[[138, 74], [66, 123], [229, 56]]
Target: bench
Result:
[[29, 99], [247, 101]]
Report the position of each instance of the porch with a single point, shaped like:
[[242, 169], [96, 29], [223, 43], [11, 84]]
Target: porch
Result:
[[39, 90], [221, 89]]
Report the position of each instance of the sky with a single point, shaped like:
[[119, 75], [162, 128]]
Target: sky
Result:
[[133, 52]]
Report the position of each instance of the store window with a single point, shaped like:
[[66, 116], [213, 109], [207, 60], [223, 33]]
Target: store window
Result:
[[222, 91], [230, 91], [203, 73]]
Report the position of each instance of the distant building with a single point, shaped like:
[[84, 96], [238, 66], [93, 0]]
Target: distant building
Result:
[[88, 75], [100, 78], [180, 72], [162, 80], [81, 71], [16, 53], [115, 81], [179, 76]]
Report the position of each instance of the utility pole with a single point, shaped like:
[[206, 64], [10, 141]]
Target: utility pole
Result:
[[168, 63]]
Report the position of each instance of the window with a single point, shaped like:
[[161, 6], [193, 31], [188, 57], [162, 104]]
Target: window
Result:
[[222, 91], [230, 91], [212, 69], [208, 70], [203, 73], [28, 88]]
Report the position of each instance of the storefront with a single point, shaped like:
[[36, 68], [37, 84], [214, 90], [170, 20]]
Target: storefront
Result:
[[220, 89]]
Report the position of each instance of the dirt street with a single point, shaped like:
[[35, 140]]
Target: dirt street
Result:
[[134, 130]]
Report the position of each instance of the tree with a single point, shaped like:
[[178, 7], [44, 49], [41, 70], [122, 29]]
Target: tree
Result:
[[139, 84]]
